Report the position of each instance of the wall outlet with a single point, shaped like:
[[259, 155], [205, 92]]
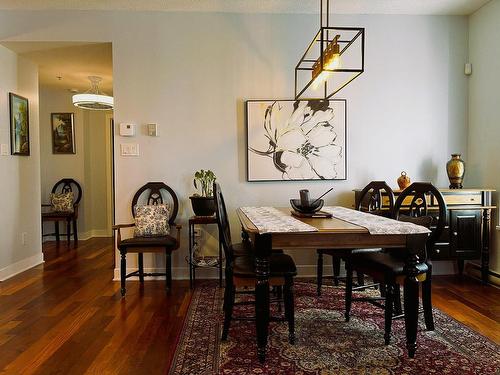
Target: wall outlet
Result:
[[24, 238]]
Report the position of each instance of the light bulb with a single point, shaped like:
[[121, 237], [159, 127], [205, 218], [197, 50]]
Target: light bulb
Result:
[[335, 62], [322, 77]]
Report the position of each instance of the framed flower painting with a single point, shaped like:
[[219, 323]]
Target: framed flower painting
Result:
[[296, 140]]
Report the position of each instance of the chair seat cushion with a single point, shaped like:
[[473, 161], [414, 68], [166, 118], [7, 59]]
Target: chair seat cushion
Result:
[[62, 202], [152, 220], [280, 265], [56, 214], [385, 262], [163, 241]]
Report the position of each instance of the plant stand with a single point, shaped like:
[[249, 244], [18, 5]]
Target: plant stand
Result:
[[193, 265]]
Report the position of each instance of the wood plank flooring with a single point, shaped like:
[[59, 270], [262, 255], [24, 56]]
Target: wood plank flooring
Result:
[[67, 316]]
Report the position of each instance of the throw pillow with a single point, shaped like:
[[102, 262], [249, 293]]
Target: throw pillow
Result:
[[62, 202], [152, 220]]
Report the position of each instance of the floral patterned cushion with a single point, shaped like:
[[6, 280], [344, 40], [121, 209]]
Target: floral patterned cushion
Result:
[[152, 220], [62, 202]]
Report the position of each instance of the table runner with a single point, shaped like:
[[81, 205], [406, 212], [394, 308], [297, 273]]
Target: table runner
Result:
[[374, 223], [271, 220]]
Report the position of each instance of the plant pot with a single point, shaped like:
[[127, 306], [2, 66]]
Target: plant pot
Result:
[[203, 206]]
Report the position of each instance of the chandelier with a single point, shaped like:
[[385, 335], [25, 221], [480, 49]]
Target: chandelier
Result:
[[333, 59], [93, 99]]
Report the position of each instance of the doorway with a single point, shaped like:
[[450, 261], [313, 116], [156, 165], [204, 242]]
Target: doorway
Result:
[[75, 143]]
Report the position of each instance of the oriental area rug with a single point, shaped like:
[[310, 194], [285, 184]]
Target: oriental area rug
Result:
[[325, 344]]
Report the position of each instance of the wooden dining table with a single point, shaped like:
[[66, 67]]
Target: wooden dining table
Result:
[[331, 233]]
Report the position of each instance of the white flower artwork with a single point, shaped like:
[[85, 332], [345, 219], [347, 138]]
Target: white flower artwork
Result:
[[296, 140]]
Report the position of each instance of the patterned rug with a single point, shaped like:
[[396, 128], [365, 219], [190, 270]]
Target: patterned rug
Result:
[[325, 344]]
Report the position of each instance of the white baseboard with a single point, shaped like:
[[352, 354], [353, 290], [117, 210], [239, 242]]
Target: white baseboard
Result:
[[94, 233], [82, 236], [22, 265]]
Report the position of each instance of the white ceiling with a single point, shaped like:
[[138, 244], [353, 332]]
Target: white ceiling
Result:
[[430, 7], [72, 61]]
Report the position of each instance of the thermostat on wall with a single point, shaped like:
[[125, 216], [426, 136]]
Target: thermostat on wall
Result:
[[127, 130]]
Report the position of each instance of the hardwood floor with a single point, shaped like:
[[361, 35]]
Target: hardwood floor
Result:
[[67, 316]]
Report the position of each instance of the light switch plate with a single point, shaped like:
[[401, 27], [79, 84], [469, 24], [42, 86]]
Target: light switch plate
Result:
[[4, 149], [129, 149]]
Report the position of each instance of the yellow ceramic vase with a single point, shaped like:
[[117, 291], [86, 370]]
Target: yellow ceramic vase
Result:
[[456, 171]]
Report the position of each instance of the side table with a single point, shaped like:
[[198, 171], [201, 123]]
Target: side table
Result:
[[198, 220]]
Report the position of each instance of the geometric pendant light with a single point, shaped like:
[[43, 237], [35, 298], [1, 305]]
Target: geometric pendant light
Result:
[[94, 99], [334, 58]]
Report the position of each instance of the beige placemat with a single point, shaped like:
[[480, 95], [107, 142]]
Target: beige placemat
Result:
[[374, 223], [271, 220]]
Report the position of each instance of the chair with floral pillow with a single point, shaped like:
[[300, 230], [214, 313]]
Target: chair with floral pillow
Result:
[[154, 208], [64, 202]]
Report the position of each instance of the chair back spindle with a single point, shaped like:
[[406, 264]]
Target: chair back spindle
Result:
[[419, 212], [371, 199]]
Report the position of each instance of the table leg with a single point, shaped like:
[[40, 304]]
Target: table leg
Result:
[[263, 245], [414, 245]]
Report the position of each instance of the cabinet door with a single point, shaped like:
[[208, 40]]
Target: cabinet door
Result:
[[465, 228]]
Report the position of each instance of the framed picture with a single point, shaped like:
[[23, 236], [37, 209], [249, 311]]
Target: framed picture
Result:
[[296, 140], [63, 133], [19, 125]]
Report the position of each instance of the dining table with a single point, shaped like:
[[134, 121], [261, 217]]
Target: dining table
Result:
[[276, 228]]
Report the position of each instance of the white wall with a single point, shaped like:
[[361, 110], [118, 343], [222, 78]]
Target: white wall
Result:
[[484, 109], [87, 166], [20, 175], [191, 73]]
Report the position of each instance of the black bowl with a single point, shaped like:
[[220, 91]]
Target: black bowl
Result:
[[315, 207]]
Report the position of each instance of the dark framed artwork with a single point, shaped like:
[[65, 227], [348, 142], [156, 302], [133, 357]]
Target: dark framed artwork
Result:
[[296, 140], [19, 125], [63, 133]]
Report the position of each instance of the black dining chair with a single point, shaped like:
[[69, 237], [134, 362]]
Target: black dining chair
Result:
[[376, 198], [152, 193], [240, 272], [63, 186], [421, 204]]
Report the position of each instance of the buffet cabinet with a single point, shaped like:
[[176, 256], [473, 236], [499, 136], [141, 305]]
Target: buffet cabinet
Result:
[[468, 226]]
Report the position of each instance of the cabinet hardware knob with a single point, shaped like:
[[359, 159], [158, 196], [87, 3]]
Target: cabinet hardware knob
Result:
[[438, 251], [455, 233]]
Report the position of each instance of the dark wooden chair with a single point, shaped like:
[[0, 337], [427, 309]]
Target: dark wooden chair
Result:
[[65, 185], [412, 205], [151, 193], [240, 272], [371, 200]]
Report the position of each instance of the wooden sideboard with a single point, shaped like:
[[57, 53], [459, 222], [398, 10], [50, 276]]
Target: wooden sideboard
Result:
[[468, 226]]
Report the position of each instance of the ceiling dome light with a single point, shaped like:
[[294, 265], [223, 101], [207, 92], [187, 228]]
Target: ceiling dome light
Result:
[[94, 99]]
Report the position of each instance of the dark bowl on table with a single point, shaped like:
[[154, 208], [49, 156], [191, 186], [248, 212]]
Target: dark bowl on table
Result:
[[312, 208]]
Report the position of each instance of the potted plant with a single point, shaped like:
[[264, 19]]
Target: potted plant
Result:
[[204, 204]]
